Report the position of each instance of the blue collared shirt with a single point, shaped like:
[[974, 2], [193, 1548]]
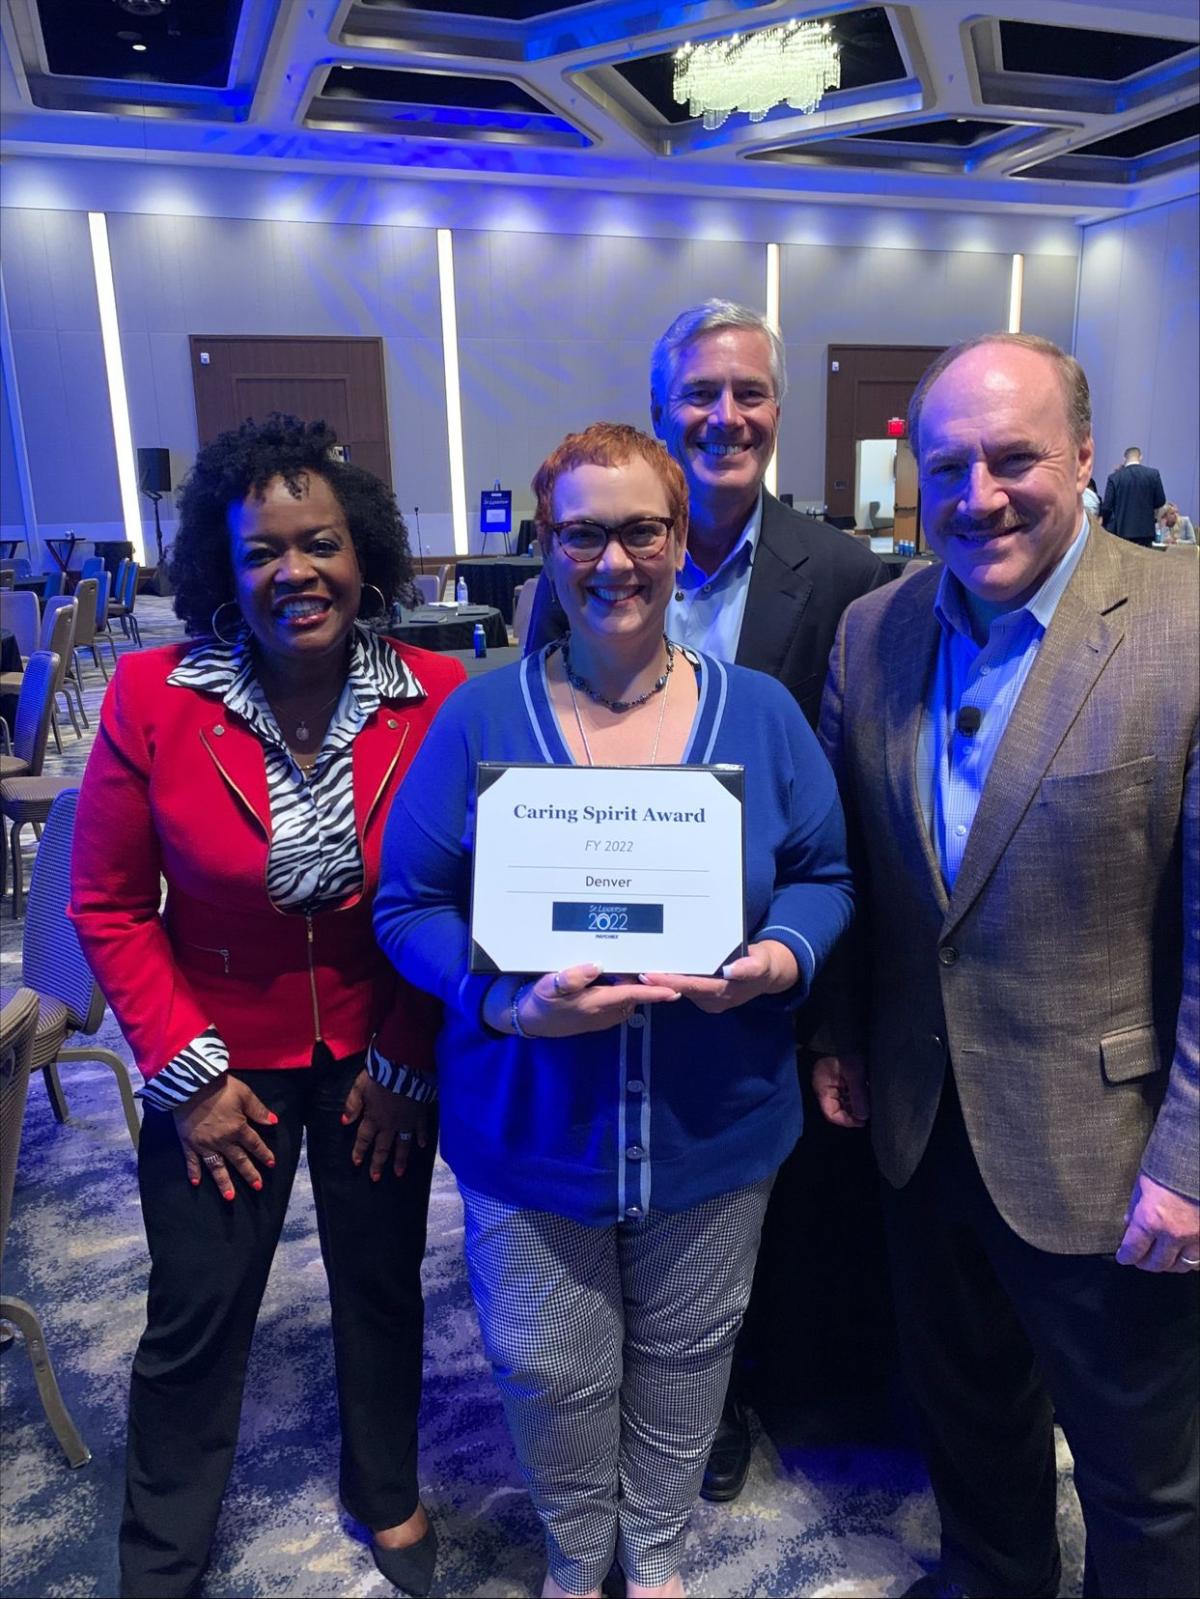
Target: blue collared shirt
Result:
[[706, 609], [952, 767]]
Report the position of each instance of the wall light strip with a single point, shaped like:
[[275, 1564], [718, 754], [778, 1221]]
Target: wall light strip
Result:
[[17, 428], [115, 371], [1016, 287], [458, 476], [771, 478]]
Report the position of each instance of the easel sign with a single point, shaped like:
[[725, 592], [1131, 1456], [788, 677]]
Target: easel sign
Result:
[[495, 514]]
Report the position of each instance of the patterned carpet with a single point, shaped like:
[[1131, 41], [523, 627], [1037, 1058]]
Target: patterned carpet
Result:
[[817, 1517]]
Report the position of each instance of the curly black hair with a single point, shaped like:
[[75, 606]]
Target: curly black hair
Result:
[[243, 462]]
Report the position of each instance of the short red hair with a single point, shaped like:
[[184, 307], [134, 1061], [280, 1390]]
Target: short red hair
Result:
[[609, 444]]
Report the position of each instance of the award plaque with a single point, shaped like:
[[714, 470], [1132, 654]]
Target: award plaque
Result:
[[638, 868]]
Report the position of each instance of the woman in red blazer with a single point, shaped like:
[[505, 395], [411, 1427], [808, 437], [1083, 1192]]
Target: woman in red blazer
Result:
[[253, 770]]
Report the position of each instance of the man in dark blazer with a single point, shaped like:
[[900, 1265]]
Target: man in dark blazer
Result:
[[1015, 736], [1133, 499], [766, 588]]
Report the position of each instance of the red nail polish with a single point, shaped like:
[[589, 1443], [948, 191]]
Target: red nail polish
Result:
[[375, 1176], [257, 1187], [270, 1165], [228, 1194], [345, 1120], [272, 1119], [195, 1181]]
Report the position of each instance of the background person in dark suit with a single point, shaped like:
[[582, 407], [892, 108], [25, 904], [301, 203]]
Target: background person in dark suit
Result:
[[765, 587], [1133, 499], [1015, 735]]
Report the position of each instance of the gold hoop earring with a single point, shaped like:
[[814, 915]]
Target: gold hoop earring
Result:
[[374, 616], [216, 631]]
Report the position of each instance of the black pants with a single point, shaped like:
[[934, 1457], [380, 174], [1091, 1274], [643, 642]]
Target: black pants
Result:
[[998, 1340], [209, 1266]]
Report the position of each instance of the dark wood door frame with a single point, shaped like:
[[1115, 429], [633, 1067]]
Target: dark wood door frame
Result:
[[345, 374], [872, 383]]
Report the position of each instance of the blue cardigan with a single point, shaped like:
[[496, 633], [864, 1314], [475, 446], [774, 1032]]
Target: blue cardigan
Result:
[[674, 1106]]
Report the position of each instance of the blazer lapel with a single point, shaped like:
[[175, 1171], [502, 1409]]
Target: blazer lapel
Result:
[[238, 756], [909, 656], [1075, 650], [779, 590]]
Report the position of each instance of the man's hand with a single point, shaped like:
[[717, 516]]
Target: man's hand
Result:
[[1162, 1229], [388, 1125], [214, 1129], [765, 968], [840, 1084]]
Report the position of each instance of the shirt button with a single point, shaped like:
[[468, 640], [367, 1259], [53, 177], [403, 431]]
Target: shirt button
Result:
[[960, 830], [984, 670], [633, 1212], [635, 1085], [707, 589], [679, 594], [936, 1040], [637, 1019], [947, 954], [635, 1152], [219, 729]]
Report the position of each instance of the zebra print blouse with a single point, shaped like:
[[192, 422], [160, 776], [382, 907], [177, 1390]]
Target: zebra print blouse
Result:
[[314, 861]]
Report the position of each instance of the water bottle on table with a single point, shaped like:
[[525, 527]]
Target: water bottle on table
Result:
[[480, 640], [460, 591]]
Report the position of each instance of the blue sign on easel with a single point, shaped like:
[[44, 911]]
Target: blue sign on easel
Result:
[[495, 515]]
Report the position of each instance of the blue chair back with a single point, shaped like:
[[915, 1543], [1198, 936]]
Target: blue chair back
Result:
[[54, 585], [102, 586], [92, 566]]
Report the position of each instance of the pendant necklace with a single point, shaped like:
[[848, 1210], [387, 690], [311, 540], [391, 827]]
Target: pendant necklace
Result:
[[582, 684], [663, 687], [301, 734]]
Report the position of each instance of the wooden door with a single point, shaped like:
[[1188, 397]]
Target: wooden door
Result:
[[339, 381], [871, 384]]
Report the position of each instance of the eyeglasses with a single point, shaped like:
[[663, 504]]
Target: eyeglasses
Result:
[[642, 538]]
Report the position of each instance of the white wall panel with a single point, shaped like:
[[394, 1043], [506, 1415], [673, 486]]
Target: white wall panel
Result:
[[1048, 298], [59, 360], [870, 295], [12, 513], [555, 331], [178, 275], [1138, 337]]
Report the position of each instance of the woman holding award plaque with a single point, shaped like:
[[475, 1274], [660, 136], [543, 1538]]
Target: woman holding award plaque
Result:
[[615, 1137]]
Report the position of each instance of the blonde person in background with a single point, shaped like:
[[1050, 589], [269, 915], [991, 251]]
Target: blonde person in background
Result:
[[1171, 528]]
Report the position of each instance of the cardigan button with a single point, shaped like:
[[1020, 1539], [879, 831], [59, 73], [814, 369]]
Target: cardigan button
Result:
[[219, 729], [392, 722]]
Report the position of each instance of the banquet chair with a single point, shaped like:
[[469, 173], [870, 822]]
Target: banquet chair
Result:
[[104, 632], [125, 598], [53, 965], [428, 584], [52, 585], [18, 1022], [86, 595], [31, 725], [523, 608], [23, 618], [58, 635], [92, 566], [8, 579], [443, 577]]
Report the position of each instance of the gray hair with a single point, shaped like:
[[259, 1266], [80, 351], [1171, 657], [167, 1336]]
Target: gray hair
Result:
[[1076, 395], [710, 317]]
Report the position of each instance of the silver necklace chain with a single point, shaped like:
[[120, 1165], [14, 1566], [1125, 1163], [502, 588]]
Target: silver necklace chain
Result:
[[302, 729], [662, 711]]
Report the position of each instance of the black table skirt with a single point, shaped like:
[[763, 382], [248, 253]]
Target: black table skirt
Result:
[[434, 629], [493, 582]]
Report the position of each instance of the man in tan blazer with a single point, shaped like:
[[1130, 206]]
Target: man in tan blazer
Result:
[[1015, 735]]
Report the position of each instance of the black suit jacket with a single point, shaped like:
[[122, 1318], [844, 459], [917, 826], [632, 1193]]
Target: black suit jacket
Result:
[[1131, 497], [803, 576]]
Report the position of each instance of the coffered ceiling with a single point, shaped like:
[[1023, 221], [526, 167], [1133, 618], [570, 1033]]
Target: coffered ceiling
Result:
[[1079, 107]]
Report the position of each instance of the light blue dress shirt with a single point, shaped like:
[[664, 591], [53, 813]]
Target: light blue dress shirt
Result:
[[952, 767], [706, 609]]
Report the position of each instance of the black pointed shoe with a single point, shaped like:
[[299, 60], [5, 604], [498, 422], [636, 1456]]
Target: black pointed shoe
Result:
[[410, 1569], [729, 1457]]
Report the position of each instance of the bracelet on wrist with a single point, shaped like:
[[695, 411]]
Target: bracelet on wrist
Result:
[[514, 1009]]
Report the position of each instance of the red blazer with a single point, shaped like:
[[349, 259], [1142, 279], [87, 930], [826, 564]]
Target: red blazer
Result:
[[177, 788]]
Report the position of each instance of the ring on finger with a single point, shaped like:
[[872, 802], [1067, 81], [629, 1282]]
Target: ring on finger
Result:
[[556, 979], [1188, 1261], [405, 1138], [211, 1160]]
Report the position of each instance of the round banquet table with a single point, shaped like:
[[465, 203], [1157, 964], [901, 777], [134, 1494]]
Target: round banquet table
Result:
[[434, 627], [493, 582]]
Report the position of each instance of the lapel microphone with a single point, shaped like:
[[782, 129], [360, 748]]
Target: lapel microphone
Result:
[[968, 720]]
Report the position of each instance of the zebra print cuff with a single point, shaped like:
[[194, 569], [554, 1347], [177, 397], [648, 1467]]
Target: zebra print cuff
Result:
[[400, 1079], [197, 1064]]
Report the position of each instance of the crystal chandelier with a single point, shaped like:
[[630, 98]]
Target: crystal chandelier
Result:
[[796, 61]]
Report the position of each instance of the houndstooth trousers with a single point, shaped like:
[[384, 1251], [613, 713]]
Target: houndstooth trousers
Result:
[[611, 1348]]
